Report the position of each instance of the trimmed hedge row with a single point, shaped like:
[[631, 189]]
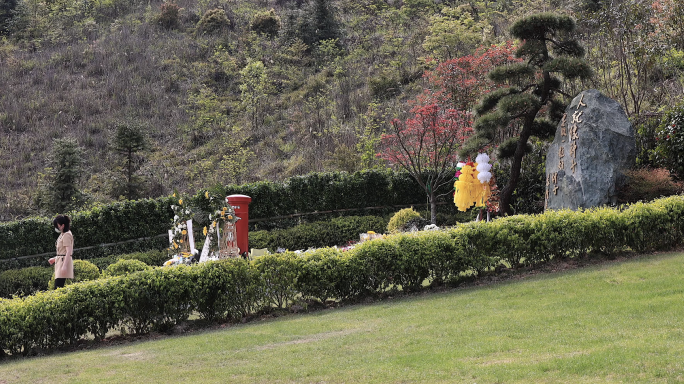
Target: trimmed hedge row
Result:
[[100, 225], [154, 258], [316, 192], [24, 282], [27, 281], [337, 231], [162, 297], [319, 192]]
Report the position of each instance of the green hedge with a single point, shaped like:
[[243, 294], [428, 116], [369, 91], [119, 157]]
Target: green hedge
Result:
[[125, 267], [124, 223], [159, 298], [337, 231], [24, 282], [102, 225], [154, 258], [27, 281], [329, 191]]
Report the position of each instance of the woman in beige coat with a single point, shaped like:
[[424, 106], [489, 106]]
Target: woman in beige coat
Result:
[[63, 260]]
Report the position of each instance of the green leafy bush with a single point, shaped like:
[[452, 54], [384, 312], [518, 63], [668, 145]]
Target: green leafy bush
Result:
[[157, 299], [214, 21], [125, 267], [154, 258], [24, 282], [227, 289], [318, 274], [670, 142], [398, 222], [266, 23], [169, 15], [280, 273], [337, 231]]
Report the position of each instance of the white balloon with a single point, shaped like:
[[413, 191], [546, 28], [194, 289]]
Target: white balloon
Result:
[[484, 167], [484, 177], [482, 158]]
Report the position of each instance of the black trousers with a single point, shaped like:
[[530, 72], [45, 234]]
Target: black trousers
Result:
[[59, 283]]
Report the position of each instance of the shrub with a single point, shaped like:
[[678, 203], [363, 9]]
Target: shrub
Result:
[[319, 274], [214, 21], [337, 231], [83, 271], [154, 258], [169, 16], [227, 289], [384, 87], [279, 273], [124, 267], [141, 225], [24, 282], [670, 142], [158, 298], [398, 222], [266, 23], [647, 184]]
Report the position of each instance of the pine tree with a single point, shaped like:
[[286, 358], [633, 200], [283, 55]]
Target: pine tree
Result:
[[313, 24], [7, 9], [61, 193], [128, 141], [532, 91]]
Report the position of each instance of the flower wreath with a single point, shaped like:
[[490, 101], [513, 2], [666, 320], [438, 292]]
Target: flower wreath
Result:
[[181, 215], [223, 212]]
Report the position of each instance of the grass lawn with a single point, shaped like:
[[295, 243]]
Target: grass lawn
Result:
[[619, 322]]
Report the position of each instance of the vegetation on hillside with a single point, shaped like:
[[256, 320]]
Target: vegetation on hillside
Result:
[[231, 91]]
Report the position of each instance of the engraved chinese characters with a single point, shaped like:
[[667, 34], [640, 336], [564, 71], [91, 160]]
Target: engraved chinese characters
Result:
[[594, 143]]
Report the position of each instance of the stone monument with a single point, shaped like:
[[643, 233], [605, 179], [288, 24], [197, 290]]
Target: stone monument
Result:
[[593, 146]]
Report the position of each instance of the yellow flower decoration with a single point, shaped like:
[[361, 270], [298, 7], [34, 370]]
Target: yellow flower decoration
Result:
[[224, 209], [205, 231], [174, 194], [371, 233], [223, 213], [184, 232], [181, 241], [180, 201], [175, 246], [230, 217], [206, 194], [213, 224]]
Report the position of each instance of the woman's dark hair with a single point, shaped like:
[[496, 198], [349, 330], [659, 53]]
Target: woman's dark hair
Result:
[[62, 219]]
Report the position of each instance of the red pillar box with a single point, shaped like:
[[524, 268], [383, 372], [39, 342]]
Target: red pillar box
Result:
[[240, 204]]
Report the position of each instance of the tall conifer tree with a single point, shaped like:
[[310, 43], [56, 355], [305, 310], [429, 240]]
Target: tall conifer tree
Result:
[[531, 91], [61, 193], [128, 141]]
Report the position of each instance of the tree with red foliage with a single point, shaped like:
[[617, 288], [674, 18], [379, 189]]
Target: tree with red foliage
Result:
[[427, 144], [459, 83], [426, 147]]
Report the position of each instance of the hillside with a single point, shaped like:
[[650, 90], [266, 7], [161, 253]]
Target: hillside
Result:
[[244, 94]]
